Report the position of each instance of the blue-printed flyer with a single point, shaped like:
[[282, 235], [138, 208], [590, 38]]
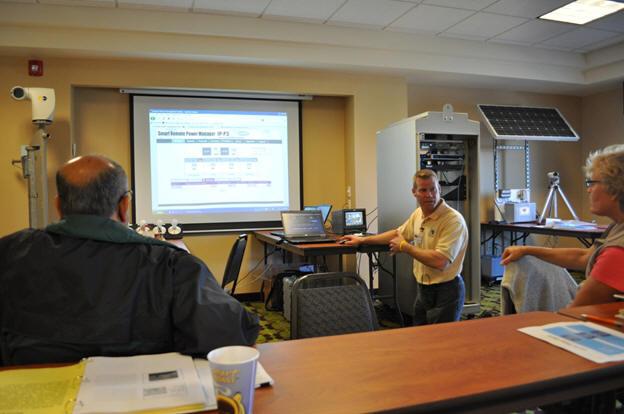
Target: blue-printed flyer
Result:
[[586, 339]]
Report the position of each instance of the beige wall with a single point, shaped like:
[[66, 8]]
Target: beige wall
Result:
[[603, 125], [562, 157], [339, 127], [598, 119]]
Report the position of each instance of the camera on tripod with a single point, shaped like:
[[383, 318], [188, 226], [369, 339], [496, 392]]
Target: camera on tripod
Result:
[[553, 178], [550, 206]]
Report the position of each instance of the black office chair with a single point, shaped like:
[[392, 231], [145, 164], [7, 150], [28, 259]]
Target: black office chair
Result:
[[232, 268], [333, 303]]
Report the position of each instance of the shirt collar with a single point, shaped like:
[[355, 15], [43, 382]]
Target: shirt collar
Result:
[[438, 211], [99, 228]]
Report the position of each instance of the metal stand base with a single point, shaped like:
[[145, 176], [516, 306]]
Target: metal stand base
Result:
[[552, 199]]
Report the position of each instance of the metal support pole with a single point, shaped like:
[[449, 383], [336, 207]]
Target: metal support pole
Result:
[[34, 168], [29, 171]]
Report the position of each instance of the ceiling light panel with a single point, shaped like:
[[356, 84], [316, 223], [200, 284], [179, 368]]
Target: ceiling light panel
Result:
[[584, 11]]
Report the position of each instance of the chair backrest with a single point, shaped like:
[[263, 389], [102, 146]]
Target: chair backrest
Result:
[[332, 303], [232, 268]]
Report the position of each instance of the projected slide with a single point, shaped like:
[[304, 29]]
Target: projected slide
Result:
[[215, 164], [211, 161]]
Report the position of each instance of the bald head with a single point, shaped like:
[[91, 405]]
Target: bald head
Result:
[[90, 184]]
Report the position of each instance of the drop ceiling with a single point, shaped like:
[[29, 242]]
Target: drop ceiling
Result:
[[458, 42]]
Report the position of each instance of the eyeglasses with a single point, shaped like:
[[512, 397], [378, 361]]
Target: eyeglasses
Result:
[[589, 183], [129, 193]]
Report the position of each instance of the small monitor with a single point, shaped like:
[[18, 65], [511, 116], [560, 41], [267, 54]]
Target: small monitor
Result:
[[354, 219], [349, 221]]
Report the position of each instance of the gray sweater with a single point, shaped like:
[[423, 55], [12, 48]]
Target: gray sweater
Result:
[[531, 284]]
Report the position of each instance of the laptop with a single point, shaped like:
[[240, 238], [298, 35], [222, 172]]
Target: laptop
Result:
[[325, 209], [304, 227]]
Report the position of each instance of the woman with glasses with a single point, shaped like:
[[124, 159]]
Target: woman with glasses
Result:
[[602, 262]]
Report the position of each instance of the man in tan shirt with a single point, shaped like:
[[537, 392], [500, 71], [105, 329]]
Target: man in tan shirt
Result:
[[436, 236]]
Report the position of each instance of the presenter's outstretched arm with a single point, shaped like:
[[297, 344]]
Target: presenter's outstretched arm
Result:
[[382, 238]]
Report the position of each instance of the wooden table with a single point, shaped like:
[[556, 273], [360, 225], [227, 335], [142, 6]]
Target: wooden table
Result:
[[480, 365], [474, 366], [585, 236], [605, 310], [314, 250]]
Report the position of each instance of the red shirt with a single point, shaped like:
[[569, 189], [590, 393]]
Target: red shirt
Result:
[[609, 268]]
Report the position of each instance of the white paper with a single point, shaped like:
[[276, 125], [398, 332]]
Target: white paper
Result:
[[205, 378], [586, 339], [138, 383], [263, 379]]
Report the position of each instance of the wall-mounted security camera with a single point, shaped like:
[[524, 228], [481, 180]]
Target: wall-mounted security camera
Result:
[[42, 99]]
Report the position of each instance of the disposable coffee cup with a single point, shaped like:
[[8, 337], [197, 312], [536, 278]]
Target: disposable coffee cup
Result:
[[234, 373]]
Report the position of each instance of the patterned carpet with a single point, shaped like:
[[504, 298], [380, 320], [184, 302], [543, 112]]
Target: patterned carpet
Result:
[[274, 327]]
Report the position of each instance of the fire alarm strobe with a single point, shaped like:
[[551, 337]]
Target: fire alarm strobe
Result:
[[35, 68]]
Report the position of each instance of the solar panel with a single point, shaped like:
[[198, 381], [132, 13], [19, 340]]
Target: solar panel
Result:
[[526, 123]]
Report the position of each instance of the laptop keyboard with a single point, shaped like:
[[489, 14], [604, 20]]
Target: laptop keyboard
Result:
[[310, 240]]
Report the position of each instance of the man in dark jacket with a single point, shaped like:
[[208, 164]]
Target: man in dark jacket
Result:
[[88, 285]]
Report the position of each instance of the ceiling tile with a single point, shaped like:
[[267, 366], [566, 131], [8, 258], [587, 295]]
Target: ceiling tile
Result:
[[613, 22], [246, 7], [429, 19], [482, 26], [599, 45], [525, 8], [97, 3], [461, 4], [533, 31], [306, 10], [159, 4], [578, 38], [371, 13]]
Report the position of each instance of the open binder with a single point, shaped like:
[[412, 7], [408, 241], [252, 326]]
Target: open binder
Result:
[[162, 383]]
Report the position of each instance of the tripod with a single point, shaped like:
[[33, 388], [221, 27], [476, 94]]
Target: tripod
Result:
[[553, 178]]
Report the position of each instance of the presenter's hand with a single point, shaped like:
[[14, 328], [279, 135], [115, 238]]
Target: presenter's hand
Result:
[[397, 243], [351, 240], [512, 253]]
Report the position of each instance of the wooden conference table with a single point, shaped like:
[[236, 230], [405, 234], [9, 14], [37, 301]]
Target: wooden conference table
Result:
[[315, 250], [585, 236], [603, 310], [475, 366], [480, 365]]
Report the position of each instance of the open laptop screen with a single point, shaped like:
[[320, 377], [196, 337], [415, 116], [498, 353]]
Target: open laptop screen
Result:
[[302, 223], [324, 208]]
